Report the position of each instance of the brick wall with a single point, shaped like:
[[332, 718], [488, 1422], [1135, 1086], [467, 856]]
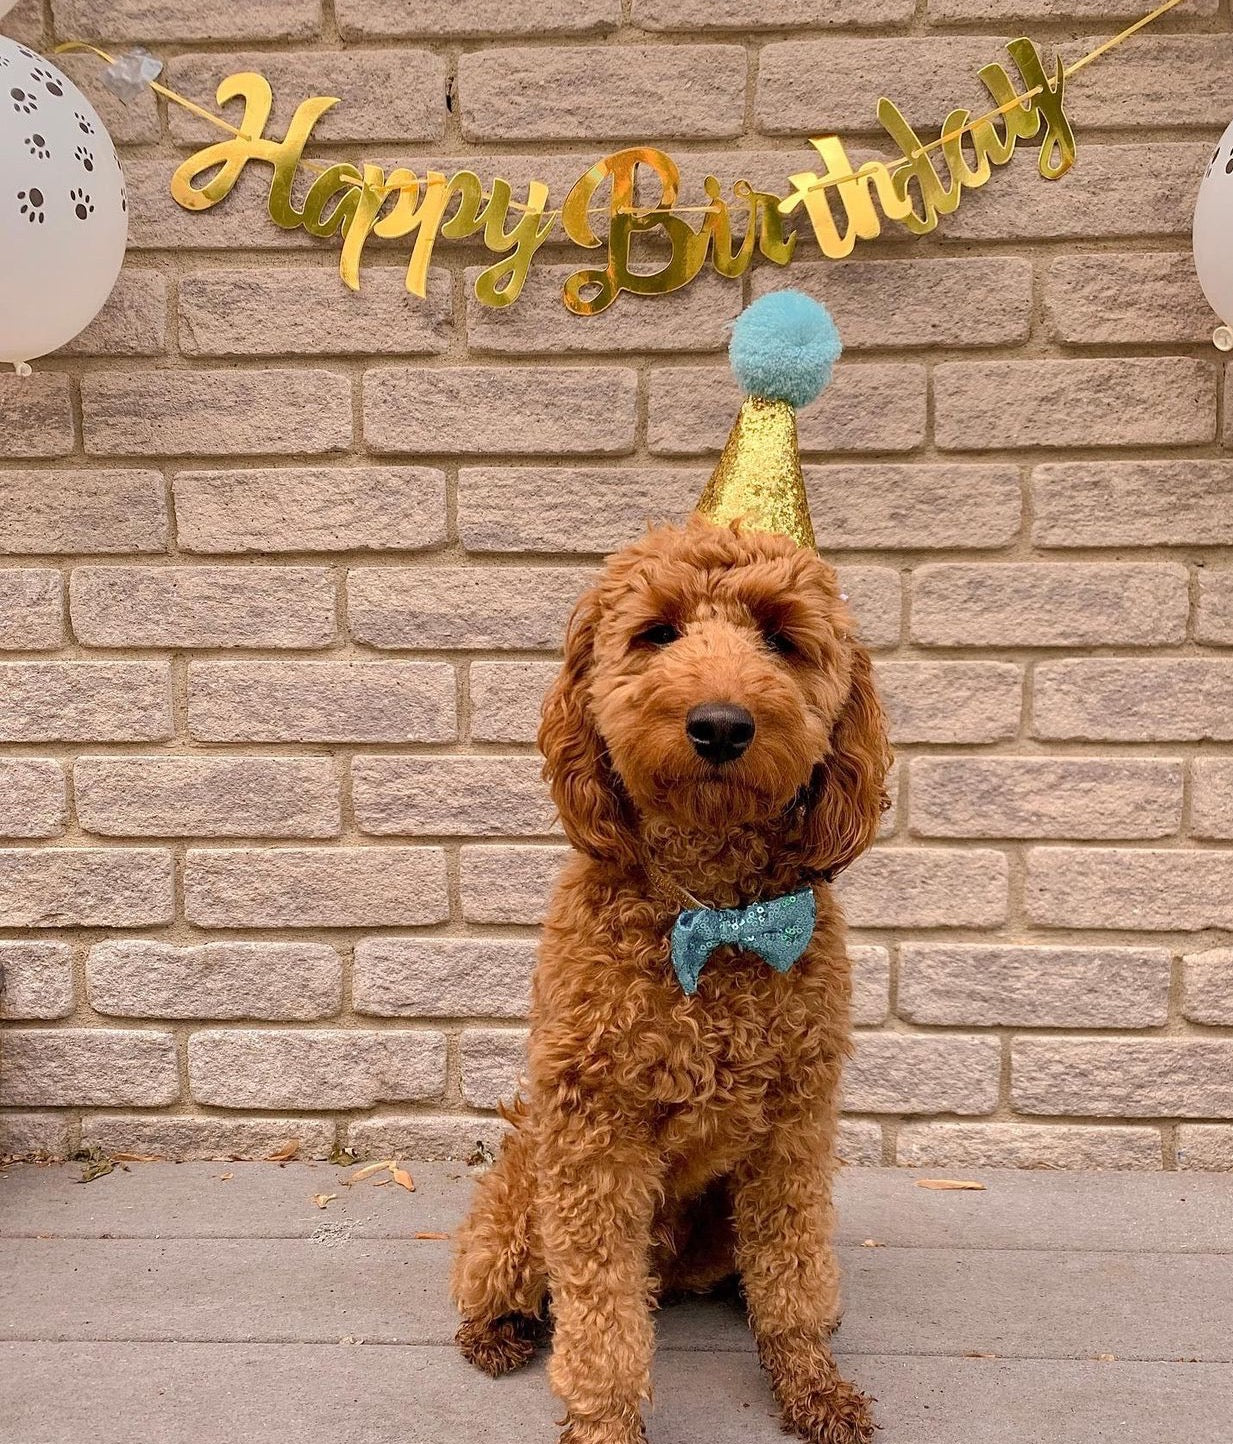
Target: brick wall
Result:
[[285, 572]]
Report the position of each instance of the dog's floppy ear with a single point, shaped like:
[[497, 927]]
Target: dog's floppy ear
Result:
[[847, 793], [587, 794]]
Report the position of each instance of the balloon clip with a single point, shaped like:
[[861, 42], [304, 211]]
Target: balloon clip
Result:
[[1222, 338], [23, 368], [129, 76]]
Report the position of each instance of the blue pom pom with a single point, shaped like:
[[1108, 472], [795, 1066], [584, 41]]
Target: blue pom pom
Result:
[[783, 347]]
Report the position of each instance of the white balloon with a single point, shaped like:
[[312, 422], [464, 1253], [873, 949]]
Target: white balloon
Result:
[[1213, 236], [63, 207]]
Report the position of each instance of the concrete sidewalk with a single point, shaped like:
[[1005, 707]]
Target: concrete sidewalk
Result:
[[216, 1303]]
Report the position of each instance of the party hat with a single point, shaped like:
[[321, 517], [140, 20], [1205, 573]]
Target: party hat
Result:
[[782, 351]]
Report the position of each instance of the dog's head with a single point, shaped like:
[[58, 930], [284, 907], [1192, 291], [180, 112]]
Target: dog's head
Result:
[[711, 680]]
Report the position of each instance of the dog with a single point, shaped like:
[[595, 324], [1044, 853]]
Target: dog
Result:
[[713, 739]]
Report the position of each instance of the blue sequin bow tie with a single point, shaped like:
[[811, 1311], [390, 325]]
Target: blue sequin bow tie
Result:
[[778, 931]]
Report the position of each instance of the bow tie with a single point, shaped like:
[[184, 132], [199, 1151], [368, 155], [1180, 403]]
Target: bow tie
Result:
[[778, 931]]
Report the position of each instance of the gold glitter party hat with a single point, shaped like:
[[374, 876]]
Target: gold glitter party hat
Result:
[[782, 351]]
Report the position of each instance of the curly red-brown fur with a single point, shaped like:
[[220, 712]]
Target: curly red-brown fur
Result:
[[666, 1141]]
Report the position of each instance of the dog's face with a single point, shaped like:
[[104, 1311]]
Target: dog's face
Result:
[[711, 681]]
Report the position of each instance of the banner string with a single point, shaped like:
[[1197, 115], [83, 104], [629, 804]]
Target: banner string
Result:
[[823, 183]]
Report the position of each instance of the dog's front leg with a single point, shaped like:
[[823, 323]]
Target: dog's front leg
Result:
[[598, 1189], [782, 1210]]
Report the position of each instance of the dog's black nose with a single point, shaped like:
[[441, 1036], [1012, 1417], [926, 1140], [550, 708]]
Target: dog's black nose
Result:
[[720, 731]]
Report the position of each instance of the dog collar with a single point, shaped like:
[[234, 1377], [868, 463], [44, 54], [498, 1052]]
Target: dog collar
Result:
[[778, 930]]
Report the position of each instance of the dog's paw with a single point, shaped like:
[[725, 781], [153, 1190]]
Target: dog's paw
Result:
[[497, 1346], [832, 1413], [597, 1431]]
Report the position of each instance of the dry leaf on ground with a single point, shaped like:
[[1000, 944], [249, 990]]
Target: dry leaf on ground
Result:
[[321, 1199], [286, 1153], [403, 1179], [957, 1185], [225, 1177], [138, 1158], [872, 1243], [432, 1235], [369, 1169]]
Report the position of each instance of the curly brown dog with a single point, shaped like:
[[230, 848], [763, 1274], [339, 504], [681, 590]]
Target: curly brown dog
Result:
[[669, 1141]]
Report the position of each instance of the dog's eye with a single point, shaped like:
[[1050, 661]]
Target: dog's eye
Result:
[[783, 644], [658, 635]]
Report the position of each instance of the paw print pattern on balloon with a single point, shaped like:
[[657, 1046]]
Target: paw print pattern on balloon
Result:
[[124, 199], [86, 157], [83, 124], [38, 147], [31, 203], [82, 204], [48, 81], [23, 102]]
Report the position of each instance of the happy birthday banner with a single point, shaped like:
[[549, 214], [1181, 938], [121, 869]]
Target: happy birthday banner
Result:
[[842, 204]]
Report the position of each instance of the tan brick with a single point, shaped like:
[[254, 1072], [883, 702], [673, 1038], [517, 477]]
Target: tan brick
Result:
[[945, 12], [31, 609], [465, 607], [150, 20], [1119, 191], [918, 1073], [925, 888], [695, 318], [1134, 699], [951, 701], [1215, 618], [694, 15], [240, 606], [193, 1138], [394, 95], [453, 1136], [132, 323], [510, 411], [1119, 503], [1026, 1145], [874, 596], [990, 985], [32, 797], [341, 887], [282, 509], [380, 19], [506, 699], [1127, 1077], [492, 1061], [135, 978], [1177, 890], [1207, 986], [1211, 804], [561, 92], [1162, 401], [897, 304], [322, 702], [859, 1143], [509, 884], [207, 796], [157, 223], [926, 76], [24, 23], [85, 702], [1134, 297], [914, 507], [443, 977], [36, 415], [82, 511], [36, 981], [313, 1068], [220, 413], [87, 887], [1075, 797], [452, 796], [874, 406], [870, 983], [1205, 1146], [33, 1135], [128, 121], [94, 1067], [1228, 407], [1033, 604], [593, 509], [277, 311]]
